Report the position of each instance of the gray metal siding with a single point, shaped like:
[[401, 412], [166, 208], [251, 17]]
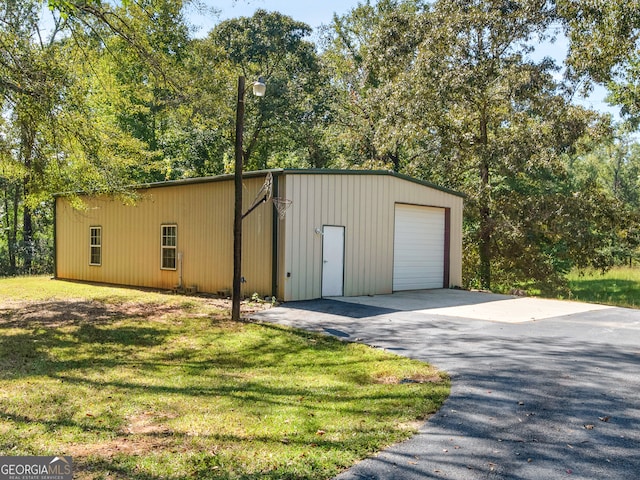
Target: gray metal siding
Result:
[[364, 205]]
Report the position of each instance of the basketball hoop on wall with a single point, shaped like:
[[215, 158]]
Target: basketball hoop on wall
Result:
[[281, 204], [263, 195]]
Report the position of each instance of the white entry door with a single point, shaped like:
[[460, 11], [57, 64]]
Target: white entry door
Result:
[[332, 261]]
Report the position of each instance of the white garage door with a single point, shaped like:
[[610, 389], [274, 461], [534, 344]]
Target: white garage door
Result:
[[418, 256]]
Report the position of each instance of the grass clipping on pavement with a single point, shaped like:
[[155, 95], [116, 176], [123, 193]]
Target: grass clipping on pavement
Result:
[[136, 384]]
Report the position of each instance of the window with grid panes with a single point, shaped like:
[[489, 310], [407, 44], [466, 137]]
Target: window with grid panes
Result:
[[169, 242], [95, 246]]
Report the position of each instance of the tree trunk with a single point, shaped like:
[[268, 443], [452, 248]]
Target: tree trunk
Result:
[[11, 224], [485, 229], [395, 159], [486, 225], [246, 153], [27, 237], [28, 142]]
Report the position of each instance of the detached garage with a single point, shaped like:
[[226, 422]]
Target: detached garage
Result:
[[344, 233]]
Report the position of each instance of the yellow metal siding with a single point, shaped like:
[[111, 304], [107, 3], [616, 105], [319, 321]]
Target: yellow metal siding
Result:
[[364, 205], [203, 213]]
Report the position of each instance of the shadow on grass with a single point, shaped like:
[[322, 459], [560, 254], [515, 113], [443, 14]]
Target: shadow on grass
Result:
[[31, 349], [609, 291], [29, 336], [89, 349], [214, 466]]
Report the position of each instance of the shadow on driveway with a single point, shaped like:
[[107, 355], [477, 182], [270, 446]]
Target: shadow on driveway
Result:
[[341, 308], [547, 399]]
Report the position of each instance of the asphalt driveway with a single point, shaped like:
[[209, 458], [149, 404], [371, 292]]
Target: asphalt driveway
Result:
[[541, 389]]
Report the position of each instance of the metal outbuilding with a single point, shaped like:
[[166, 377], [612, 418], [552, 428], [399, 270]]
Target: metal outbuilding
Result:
[[345, 233]]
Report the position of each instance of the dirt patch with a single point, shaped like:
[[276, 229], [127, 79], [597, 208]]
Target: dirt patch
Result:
[[145, 433], [87, 456], [138, 445], [60, 313], [56, 313], [148, 423], [69, 312]]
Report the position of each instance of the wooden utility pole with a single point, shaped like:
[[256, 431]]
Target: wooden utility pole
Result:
[[237, 217]]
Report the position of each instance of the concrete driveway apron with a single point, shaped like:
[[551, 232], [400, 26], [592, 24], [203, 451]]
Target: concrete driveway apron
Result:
[[541, 389]]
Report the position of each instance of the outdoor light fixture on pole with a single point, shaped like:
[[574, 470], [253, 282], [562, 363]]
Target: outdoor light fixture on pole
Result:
[[259, 89]]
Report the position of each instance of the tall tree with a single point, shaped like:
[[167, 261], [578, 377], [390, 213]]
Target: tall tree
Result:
[[141, 63], [482, 73], [49, 129], [605, 48], [361, 49], [614, 166], [454, 97], [274, 46]]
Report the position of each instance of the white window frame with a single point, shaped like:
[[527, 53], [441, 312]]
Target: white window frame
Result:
[[164, 247], [97, 246]]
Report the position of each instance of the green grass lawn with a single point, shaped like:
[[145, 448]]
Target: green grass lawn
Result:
[[619, 286], [142, 385]]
